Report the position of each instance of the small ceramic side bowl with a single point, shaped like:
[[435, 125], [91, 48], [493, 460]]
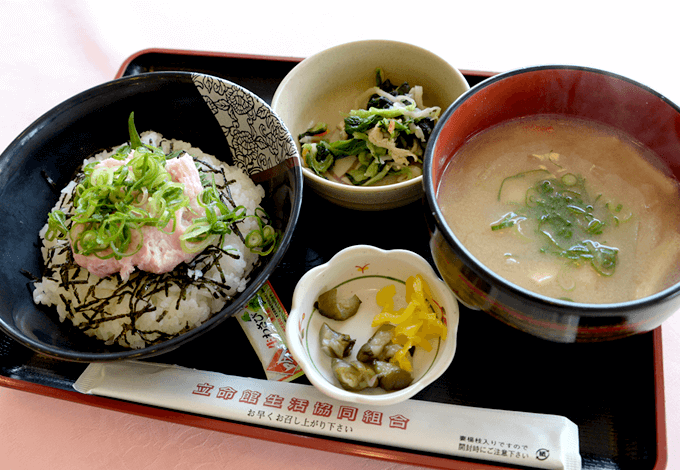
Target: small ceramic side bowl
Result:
[[324, 88], [364, 270]]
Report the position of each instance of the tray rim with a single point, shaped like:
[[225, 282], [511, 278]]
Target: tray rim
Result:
[[290, 437], [236, 55], [319, 443]]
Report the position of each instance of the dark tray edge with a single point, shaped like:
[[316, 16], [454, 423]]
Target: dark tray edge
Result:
[[124, 66], [318, 443]]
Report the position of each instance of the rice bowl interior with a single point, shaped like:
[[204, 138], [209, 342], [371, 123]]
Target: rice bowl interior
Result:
[[148, 308]]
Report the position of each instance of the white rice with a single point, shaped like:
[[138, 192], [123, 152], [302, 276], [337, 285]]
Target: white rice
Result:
[[150, 308]]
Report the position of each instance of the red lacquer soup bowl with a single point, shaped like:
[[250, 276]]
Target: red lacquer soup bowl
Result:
[[573, 92]]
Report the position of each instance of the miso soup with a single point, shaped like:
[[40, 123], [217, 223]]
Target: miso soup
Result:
[[569, 209]]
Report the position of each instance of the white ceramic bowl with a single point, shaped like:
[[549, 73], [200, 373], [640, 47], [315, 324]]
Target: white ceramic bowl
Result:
[[325, 85], [363, 270]]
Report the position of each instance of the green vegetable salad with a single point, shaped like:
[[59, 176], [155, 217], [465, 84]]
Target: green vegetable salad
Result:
[[381, 144]]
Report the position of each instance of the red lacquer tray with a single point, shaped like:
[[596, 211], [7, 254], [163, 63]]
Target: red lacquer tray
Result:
[[612, 391]]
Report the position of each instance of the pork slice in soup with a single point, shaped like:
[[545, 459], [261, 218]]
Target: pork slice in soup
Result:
[[566, 208]]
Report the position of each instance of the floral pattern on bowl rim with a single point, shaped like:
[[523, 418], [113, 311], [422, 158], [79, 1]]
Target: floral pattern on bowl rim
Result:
[[257, 139]]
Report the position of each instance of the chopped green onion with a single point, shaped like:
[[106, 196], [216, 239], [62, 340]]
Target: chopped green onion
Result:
[[264, 239], [110, 204], [56, 225], [508, 220], [566, 218]]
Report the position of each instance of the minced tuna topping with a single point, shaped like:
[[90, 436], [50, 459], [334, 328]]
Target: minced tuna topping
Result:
[[161, 248]]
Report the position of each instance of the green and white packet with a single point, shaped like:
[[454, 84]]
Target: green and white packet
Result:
[[264, 323]]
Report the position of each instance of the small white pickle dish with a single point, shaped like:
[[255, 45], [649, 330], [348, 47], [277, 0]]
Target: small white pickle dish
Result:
[[364, 270]]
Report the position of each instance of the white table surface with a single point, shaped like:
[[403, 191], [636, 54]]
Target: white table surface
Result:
[[51, 50]]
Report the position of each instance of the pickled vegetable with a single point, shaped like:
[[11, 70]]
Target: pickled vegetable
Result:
[[355, 375], [334, 344], [389, 351], [375, 346], [385, 359], [335, 308], [414, 325], [391, 376]]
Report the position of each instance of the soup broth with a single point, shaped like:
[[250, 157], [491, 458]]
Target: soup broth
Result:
[[566, 208]]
